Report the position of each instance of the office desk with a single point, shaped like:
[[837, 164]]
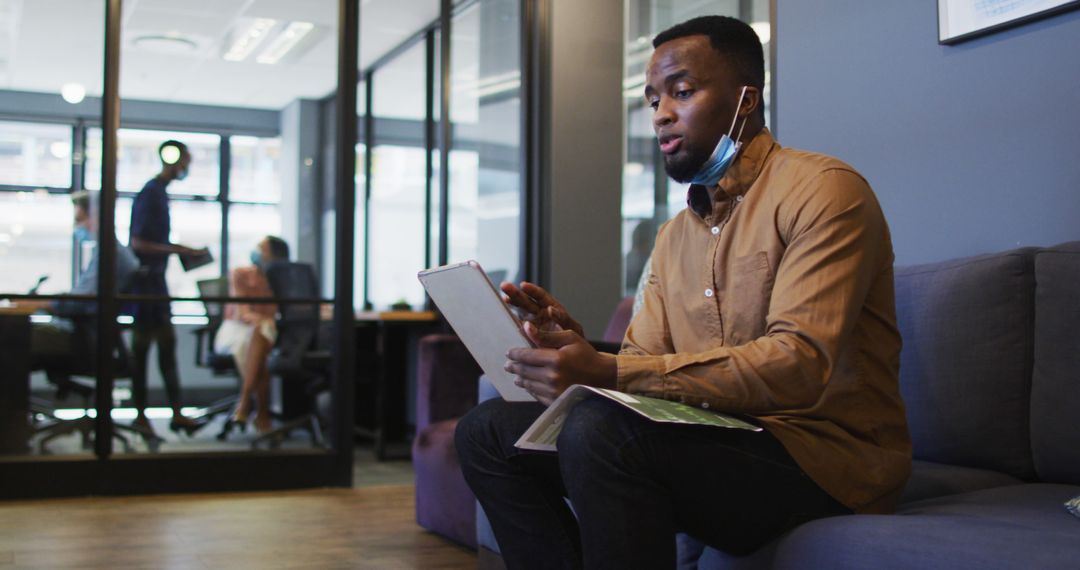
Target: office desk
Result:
[[14, 379], [385, 341]]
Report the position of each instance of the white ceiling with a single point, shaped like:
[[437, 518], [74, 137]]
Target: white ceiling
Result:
[[47, 43]]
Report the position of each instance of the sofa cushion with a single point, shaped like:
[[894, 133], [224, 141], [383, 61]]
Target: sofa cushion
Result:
[[1020, 526], [929, 480], [1055, 390], [965, 370]]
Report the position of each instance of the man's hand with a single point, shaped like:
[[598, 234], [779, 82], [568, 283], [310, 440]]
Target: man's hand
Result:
[[564, 358], [538, 307], [192, 252]]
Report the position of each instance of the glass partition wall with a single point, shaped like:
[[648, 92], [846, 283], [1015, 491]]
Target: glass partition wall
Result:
[[48, 232], [406, 198], [262, 96], [124, 254]]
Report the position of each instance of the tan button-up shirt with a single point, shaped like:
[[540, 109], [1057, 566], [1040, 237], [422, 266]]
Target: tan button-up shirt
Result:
[[772, 297]]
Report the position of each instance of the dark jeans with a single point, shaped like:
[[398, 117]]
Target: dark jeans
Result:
[[144, 334], [633, 484]]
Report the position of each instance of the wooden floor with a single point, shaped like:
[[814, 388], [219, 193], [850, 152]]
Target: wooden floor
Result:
[[368, 528]]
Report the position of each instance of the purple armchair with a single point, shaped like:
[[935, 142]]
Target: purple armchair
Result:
[[446, 389], [447, 385]]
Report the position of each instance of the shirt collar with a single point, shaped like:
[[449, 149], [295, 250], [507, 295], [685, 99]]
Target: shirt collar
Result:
[[739, 177]]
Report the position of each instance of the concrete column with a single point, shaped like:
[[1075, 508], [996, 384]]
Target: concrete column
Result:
[[582, 175], [300, 204]]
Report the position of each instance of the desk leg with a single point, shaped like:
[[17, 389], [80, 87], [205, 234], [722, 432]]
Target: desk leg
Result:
[[14, 384], [381, 399]]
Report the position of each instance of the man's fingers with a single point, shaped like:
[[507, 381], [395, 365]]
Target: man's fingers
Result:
[[559, 315], [542, 297], [528, 372], [557, 339], [517, 298], [542, 391], [532, 356]]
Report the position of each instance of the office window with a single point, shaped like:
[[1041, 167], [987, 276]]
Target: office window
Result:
[[398, 186], [649, 197], [137, 161], [485, 180], [34, 154], [35, 241], [255, 169]]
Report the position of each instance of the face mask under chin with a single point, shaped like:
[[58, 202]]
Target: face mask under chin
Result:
[[683, 170]]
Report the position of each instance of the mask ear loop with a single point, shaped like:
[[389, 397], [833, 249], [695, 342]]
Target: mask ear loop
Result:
[[738, 139]]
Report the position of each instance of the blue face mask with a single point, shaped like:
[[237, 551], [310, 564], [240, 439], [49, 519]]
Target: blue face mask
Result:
[[82, 234], [724, 154], [256, 258], [182, 174]]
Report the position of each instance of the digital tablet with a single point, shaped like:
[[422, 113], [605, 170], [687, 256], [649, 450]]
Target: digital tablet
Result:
[[475, 309]]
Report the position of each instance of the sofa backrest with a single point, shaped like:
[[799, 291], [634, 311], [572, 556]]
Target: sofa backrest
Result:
[[1055, 389], [965, 368]]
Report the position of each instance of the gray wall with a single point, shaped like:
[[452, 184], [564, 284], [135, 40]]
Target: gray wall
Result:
[[971, 148], [583, 171]]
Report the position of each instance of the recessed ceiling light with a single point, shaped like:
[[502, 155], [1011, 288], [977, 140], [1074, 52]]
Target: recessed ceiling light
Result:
[[246, 39], [171, 43], [293, 34], [73, 93]]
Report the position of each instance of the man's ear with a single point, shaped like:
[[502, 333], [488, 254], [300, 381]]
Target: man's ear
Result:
[[751, 102]]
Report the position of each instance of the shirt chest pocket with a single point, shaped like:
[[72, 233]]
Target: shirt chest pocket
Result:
[[749, 286]]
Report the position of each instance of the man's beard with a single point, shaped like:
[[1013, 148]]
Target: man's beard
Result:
[[682, 169]]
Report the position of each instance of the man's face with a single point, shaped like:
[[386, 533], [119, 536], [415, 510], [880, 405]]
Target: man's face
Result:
[[184, 163], [82, 217], [694, 95]]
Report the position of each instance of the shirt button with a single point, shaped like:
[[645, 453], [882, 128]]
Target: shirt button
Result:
[[715, 230], [708, 293], [705, 405], [738, 198]]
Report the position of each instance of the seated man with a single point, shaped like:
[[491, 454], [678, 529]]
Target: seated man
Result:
[[57, 339], [248, 331], [769, 297]]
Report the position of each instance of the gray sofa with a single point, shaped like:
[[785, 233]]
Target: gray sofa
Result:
[[990, 375]]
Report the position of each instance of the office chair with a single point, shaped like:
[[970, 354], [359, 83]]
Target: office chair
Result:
[[220, 364], [297, 358], [61, 372]]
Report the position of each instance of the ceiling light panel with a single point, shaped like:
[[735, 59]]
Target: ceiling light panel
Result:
[[285, 42], [248, 35]]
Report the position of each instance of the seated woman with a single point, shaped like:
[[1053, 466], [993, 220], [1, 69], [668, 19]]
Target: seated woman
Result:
[[249, 332]]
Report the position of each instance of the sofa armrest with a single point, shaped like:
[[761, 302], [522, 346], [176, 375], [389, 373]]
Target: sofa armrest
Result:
[[446, 379]]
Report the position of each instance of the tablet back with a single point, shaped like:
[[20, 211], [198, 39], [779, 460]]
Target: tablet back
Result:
[[476, 311]]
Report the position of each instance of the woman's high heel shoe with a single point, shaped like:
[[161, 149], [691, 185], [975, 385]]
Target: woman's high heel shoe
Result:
[[184, 424], [238, 420]]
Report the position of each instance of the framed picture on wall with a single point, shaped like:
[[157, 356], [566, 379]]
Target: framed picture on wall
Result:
[[960, 20]]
